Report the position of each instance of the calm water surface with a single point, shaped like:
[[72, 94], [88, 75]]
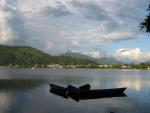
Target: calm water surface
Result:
[[27, 91]]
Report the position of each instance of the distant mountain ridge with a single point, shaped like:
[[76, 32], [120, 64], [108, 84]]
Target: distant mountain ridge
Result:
[[103, 60], [77, 55], [28, 56], [108, 60]]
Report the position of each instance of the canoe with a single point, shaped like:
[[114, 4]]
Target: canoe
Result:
[[102, 93], [84, 92], [77, 94], [85, 87], [73, 92], [58, 90]]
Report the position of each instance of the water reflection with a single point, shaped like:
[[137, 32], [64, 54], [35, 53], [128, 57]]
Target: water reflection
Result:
[[4, 102], [135, 84], [131, 82], [20, 84], [24, 91]]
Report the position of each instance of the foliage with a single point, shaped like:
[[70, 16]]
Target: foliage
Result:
[[27, 57], [146, 24]]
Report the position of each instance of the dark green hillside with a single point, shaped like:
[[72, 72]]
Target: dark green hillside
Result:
[[21, 55], [27, 56]]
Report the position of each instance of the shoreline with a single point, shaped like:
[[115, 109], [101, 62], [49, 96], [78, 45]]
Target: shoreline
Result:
[[33, 68]]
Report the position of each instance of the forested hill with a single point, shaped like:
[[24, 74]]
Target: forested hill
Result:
[[27, 56]]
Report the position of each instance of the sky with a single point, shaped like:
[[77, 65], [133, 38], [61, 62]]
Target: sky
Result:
[[98, 28]]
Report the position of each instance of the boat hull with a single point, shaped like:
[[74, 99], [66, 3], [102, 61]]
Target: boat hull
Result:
[[102, 93], [85, 93], [58, 90]]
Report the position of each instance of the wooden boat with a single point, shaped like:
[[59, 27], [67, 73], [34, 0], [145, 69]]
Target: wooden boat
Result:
[[58, 90], [84, 92], [85, 87], [77, 94], [102, 93]]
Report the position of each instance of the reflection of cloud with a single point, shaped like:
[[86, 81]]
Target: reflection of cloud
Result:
[[132, 82], [95, 83], [136, 84], [117, 105], [4, 102]]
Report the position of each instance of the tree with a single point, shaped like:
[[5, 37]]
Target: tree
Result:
[[146, 24]]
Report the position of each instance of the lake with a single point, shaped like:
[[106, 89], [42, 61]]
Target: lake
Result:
[[27, 91]]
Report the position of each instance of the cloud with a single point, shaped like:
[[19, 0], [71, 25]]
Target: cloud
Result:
[[116, 21], [119, 36], [55, 25], [59, 10], [125, 55], [5, 31], [75, 43], [100, 35], [94, 54], [132, 55], [90, 10], [10, 23], [98, 54]]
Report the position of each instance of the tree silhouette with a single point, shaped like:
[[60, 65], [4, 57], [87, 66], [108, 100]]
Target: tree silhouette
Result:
[[146, 24]]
